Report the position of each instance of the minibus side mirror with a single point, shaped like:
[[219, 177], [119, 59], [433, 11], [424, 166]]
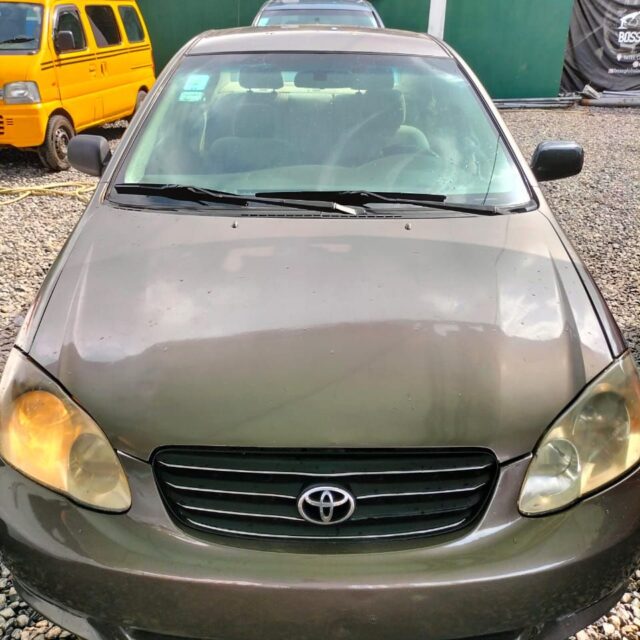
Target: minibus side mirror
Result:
[[64, 41], [557, 159], [89, 154]]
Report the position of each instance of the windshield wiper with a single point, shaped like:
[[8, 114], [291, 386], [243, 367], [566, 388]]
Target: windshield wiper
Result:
[[337, 202], [18, 40], [201, 195], [363, 198]]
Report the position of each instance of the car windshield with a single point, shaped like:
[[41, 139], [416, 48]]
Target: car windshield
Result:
[[318, 122], [20, 26], [317, 16]]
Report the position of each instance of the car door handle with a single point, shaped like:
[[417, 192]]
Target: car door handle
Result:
[[92, 68]]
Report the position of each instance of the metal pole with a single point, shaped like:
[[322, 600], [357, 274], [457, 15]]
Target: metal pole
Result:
[[437, 17]]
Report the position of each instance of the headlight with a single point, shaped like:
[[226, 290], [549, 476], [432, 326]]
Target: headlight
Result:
[[593, 442], [46, 436], [21, 93]]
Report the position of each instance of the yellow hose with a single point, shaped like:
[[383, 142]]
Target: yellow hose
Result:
[[79, 190]]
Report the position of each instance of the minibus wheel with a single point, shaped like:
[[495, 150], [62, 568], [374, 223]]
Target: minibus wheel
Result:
[[53, 152], [142, 94]]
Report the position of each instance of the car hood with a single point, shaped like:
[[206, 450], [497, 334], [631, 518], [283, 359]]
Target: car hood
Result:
[[177, 329]]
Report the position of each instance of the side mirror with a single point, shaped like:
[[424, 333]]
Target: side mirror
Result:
[[557, 159], [89, 154], [64, 41]]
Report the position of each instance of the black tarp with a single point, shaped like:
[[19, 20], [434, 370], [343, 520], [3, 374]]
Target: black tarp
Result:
[[604, 46]]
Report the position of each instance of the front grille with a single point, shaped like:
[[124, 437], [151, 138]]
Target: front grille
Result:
[[1, 126], [255, 492]]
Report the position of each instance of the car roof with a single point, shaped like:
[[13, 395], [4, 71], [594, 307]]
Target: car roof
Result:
[[348, 5], [318, 39]]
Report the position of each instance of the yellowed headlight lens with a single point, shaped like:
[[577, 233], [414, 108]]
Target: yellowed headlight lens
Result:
[[47, 437], [39, 436], [595, 441]]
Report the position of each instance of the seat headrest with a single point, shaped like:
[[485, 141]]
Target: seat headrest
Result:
[[260, 77], [374, 79], [320, 79], [383, 112]]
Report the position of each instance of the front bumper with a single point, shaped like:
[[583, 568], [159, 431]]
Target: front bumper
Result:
[[139, 576], [23, 126]]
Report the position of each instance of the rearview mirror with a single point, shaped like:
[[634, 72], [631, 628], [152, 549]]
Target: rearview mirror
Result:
[[557, 159], [64, 41], [89, 154]]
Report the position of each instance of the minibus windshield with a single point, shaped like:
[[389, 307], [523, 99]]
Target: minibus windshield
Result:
[[20, 26]]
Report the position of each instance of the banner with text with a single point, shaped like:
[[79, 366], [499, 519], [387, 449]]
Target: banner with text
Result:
[[604, 46]]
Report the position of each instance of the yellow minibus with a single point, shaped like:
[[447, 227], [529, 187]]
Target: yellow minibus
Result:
[[67, 65]]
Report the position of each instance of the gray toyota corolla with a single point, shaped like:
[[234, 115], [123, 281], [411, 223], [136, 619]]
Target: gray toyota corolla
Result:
[[318, 363]]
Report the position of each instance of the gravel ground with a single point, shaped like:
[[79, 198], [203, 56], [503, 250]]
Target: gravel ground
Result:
[[600, 211], [600, 208]]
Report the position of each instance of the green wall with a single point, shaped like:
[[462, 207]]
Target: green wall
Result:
[[171, 23], [412, 15], [515, 46]]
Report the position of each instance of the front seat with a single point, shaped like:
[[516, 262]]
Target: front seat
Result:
[[373, 120], [369, 122], [254, 144]]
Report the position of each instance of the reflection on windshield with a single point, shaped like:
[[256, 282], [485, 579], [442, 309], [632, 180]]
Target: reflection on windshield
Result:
[[247, 123], [329, 16], [20, 26]]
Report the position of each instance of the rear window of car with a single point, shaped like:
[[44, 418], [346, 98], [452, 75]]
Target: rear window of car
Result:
[[132, 24], [342, 17], [104, 25]]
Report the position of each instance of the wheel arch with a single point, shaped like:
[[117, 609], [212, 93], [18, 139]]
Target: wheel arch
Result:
[[60, 111]]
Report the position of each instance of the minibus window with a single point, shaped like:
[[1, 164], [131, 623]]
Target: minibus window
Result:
[[20, 26], [68, 19], [132, 24], [104, 25]]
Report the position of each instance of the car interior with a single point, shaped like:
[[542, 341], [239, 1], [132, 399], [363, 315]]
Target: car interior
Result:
[[328, 127]]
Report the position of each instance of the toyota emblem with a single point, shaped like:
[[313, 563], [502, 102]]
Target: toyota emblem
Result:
[[326, 505]]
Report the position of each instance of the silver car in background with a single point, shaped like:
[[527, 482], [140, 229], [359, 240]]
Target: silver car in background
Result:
[[280, 13], [318, 362]]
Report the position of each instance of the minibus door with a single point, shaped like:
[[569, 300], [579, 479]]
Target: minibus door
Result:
[[76, 67]]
